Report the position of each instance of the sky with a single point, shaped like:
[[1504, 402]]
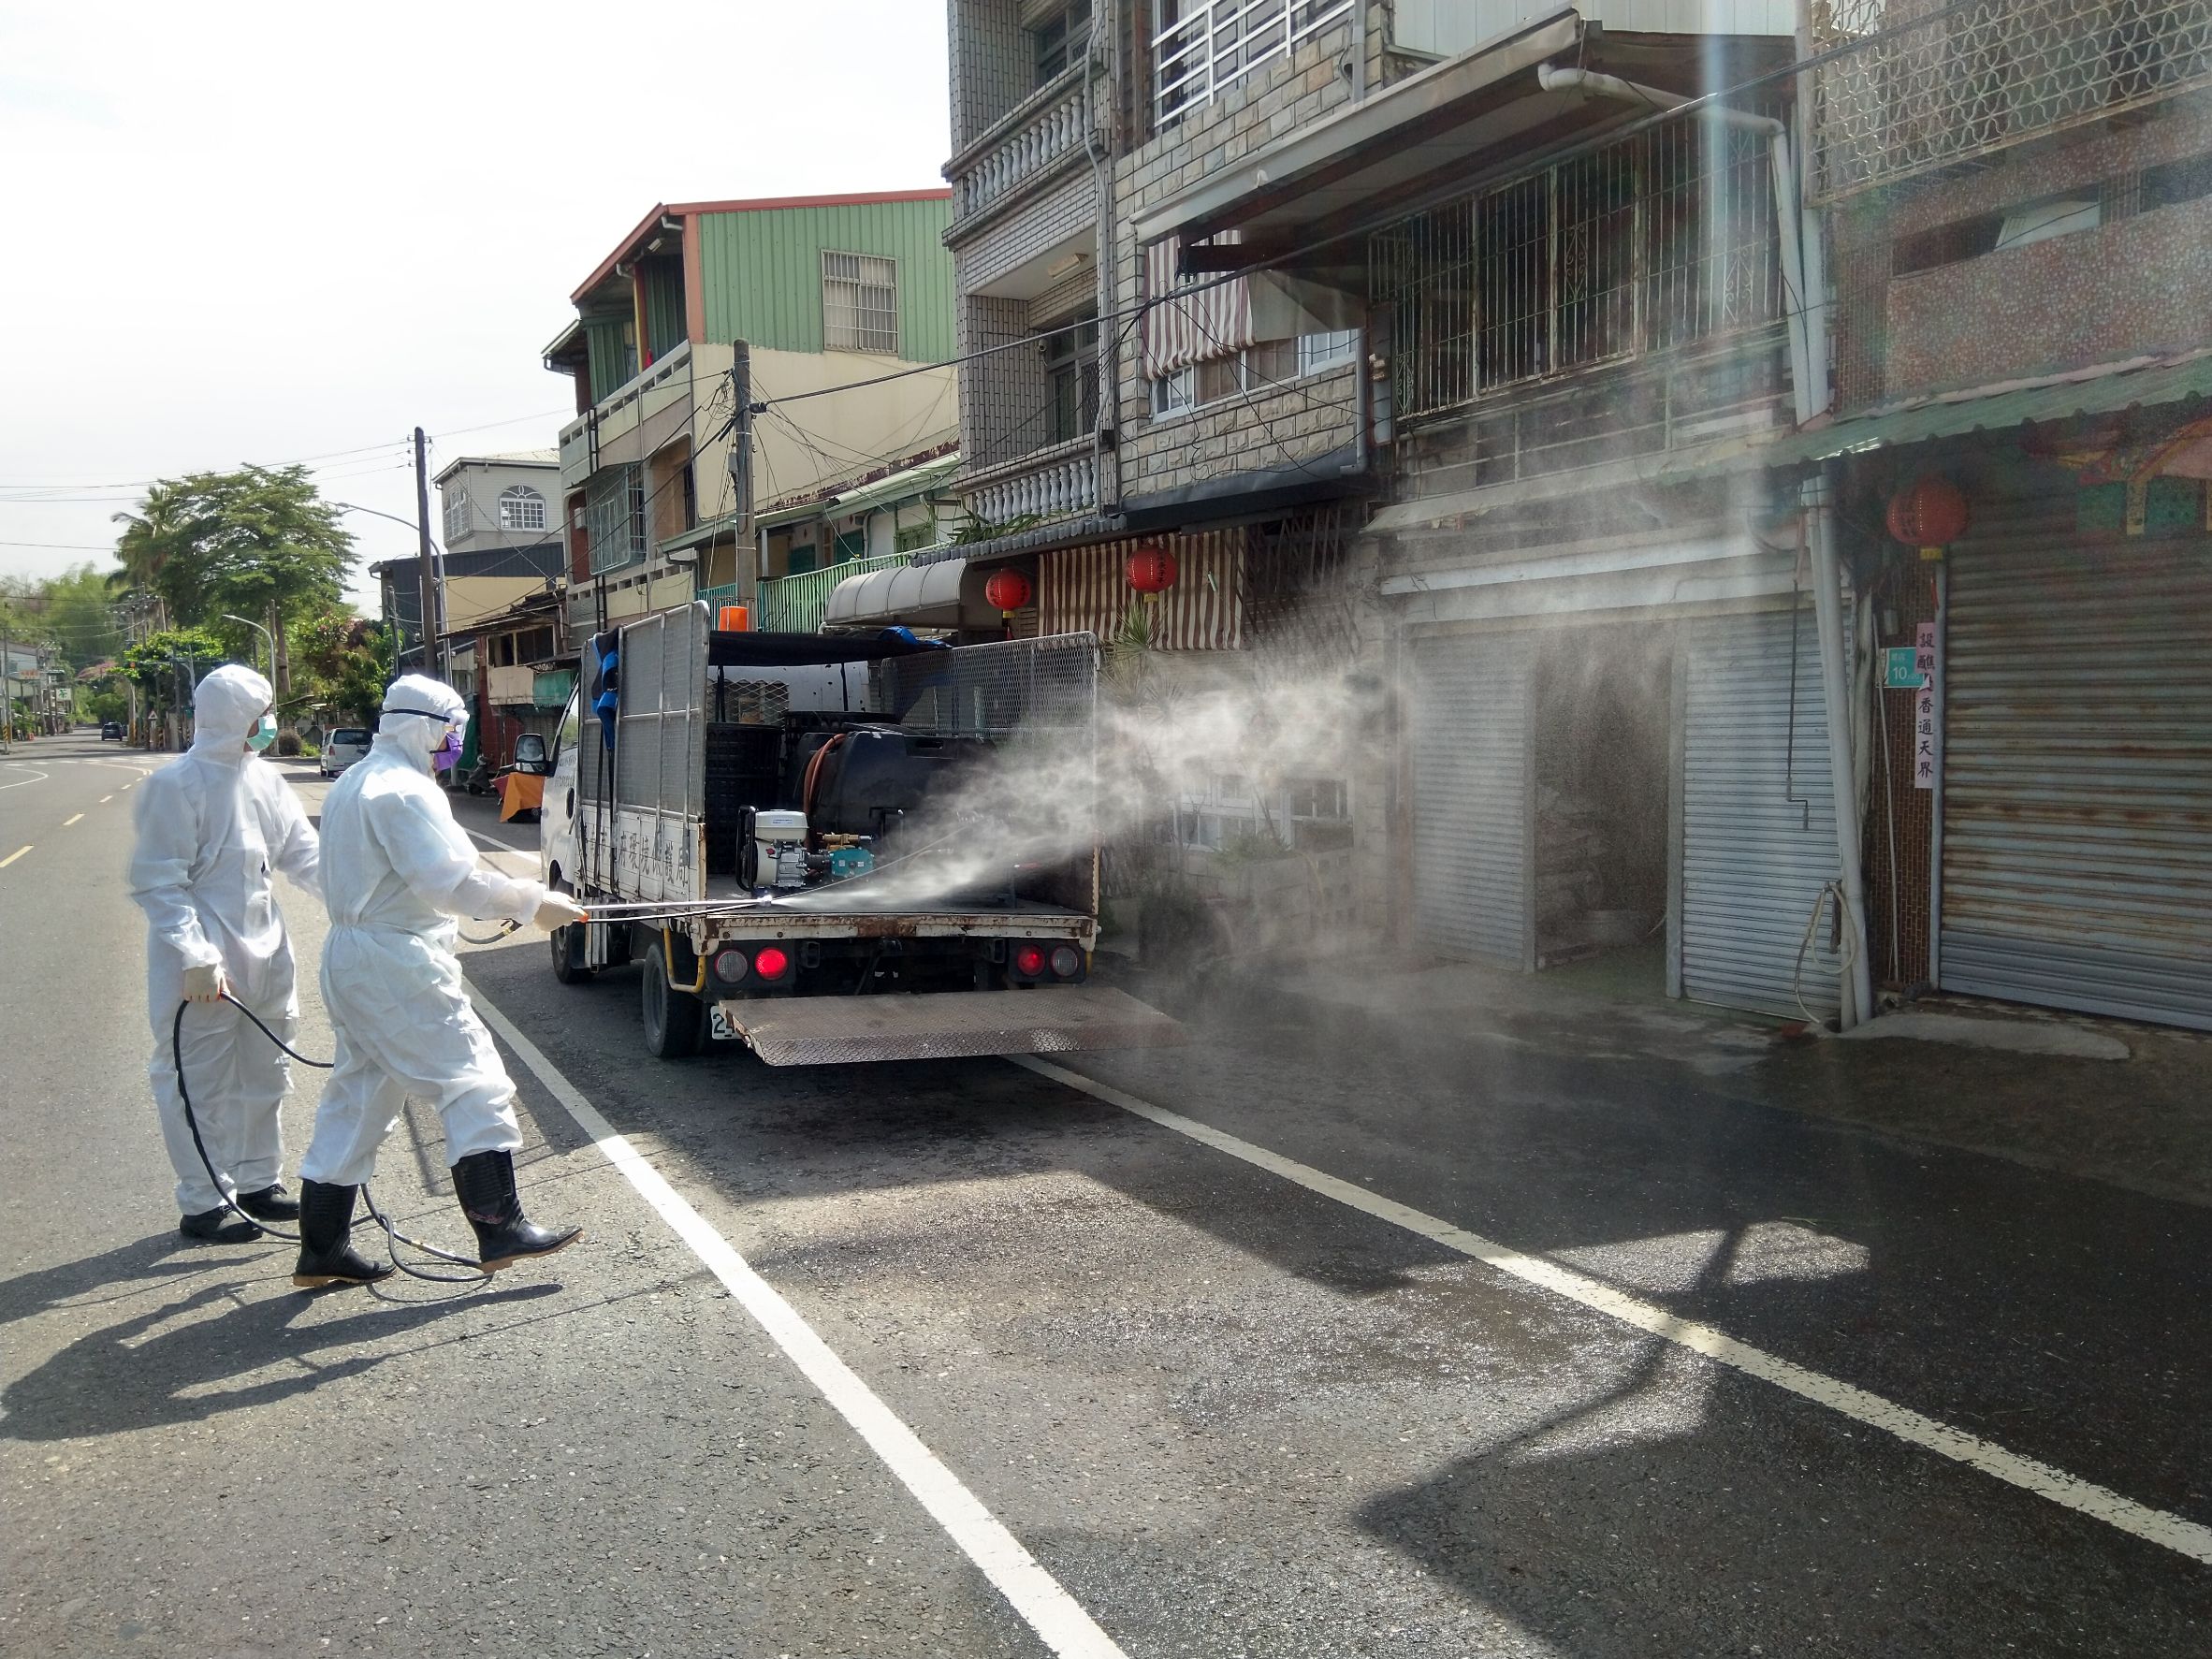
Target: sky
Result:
[[274, 233]]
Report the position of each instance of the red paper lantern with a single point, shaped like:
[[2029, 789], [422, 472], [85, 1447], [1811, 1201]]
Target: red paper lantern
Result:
[[1152, 569], [1007, 590], [1929, 514]]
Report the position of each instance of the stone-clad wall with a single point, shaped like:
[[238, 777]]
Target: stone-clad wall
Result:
[[2142, 282]]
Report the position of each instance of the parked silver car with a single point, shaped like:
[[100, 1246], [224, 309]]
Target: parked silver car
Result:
[[341, 748]]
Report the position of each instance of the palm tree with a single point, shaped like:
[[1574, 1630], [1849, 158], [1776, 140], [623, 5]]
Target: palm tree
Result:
[[150, 536]]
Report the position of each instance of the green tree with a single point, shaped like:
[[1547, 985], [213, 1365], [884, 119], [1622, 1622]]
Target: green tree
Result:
[[259, 542], [342, 662]]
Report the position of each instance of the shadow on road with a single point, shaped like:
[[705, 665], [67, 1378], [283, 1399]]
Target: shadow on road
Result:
[[182, 1362]]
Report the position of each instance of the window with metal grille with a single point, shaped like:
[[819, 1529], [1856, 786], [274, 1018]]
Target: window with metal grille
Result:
[[457, 513], [1203, 47], [521, 508], [1657, 242], [1905, 94], [614, 517], [859, 303], [1071, 367]]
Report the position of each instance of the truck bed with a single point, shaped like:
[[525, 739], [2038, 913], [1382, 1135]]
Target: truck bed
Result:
[[858, 916]]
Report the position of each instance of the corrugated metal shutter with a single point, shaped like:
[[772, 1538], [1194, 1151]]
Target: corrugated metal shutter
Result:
[[1470, 797], [2077, 786], [1758, 816]]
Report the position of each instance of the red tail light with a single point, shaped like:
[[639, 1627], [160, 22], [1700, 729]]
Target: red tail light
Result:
[[770, 963], [1030, 962]]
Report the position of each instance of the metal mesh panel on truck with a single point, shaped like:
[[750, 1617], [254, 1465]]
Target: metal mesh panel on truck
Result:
[[1016, 687]]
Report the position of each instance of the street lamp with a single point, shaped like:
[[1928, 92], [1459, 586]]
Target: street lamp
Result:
[[265, 634]]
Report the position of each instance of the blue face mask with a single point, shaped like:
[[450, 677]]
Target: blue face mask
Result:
[[262, 735]]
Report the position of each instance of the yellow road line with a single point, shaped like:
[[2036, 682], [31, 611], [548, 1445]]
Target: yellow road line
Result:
[[13, 856], [68, 821]]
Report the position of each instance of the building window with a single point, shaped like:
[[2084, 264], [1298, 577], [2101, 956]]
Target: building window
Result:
[[1071, 367], [521, 508], [1060, 39], [1255, 371], [1203, 47], [859, 303], [457, 513]]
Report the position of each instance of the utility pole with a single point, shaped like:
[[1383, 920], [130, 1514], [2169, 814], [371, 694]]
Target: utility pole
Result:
[[741, 464], [6, 687], [429, 576]]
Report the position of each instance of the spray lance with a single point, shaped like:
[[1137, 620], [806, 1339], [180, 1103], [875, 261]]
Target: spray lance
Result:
[[223, 1189]]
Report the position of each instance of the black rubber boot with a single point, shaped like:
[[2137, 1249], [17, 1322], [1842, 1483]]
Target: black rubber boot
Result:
[[327, 1255], [218, 1226], [272, 1203], [484, 1182]]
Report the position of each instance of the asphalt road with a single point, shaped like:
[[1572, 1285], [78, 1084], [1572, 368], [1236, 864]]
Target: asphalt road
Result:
[[1169, 1389]]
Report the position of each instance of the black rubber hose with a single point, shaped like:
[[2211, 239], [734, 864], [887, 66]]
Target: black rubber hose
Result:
[[192, 1122]]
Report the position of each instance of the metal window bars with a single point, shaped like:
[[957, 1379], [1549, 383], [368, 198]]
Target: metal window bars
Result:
[[1662, 240], [859, 303], [1929, 84], [1205, 47]]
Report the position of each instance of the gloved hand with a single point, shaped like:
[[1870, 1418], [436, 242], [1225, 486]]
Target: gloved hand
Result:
[[205, 985], [559, 911]]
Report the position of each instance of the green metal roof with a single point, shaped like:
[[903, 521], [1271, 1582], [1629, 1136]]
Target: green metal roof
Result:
[[899, 487], [1994, 409], [700, 534]]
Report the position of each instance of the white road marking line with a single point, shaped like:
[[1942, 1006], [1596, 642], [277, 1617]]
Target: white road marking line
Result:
[[2171, 1531], [68, 821], [105, 799], [1058, 1620], [34, 776], [503, 846], [13, 856]]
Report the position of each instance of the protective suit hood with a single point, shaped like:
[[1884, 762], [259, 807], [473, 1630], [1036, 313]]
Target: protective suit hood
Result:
[[415, 714], [226, 706]]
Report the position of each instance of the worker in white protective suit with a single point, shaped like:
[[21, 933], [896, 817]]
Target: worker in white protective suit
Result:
[[397, 872], [211, 825]]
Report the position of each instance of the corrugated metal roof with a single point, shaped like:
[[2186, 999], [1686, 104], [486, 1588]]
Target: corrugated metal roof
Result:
[[2107, 390], [898, 486]]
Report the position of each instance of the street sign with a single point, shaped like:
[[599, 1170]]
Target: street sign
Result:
[[1901, 669]]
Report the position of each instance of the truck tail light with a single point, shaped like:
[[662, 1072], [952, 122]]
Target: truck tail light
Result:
[[770, 962], [1066, 962], [730, 966], [1029, 962]]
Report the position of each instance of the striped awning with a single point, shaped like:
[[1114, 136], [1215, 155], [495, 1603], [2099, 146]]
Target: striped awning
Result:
[[1208, 322], [1086, 589]]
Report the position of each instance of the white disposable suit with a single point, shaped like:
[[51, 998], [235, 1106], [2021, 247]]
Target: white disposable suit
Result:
[[211, 825], [397, 871]]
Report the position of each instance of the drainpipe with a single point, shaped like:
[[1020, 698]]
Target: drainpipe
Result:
[[1805, 284], [1109, 369]]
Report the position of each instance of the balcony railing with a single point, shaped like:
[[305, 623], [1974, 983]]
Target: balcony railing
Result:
[[632, 421], [796, 604], [1927, 84], [1206, 46], [1033, 141], [1056, 483]]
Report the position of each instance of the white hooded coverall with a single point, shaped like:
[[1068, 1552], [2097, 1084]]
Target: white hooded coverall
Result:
[[211, 827], [397, 871]]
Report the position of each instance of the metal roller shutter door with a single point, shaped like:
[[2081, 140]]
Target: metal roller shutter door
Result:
[[1758, 816], [1470, 797], [2077, 778]]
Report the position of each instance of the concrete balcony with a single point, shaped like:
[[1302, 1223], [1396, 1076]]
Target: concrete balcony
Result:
[[632, 422], [1039, 139], [1036, 488]]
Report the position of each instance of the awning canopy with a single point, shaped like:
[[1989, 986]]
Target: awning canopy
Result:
[[2108, 389], [899, 487], [919, 596], [1443, 133]]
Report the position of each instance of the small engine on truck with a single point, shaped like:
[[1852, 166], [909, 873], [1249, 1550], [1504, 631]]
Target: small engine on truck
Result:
[[832, 847]]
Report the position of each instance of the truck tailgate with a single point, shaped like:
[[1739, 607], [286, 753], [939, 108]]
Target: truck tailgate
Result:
[[836, 1030]]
